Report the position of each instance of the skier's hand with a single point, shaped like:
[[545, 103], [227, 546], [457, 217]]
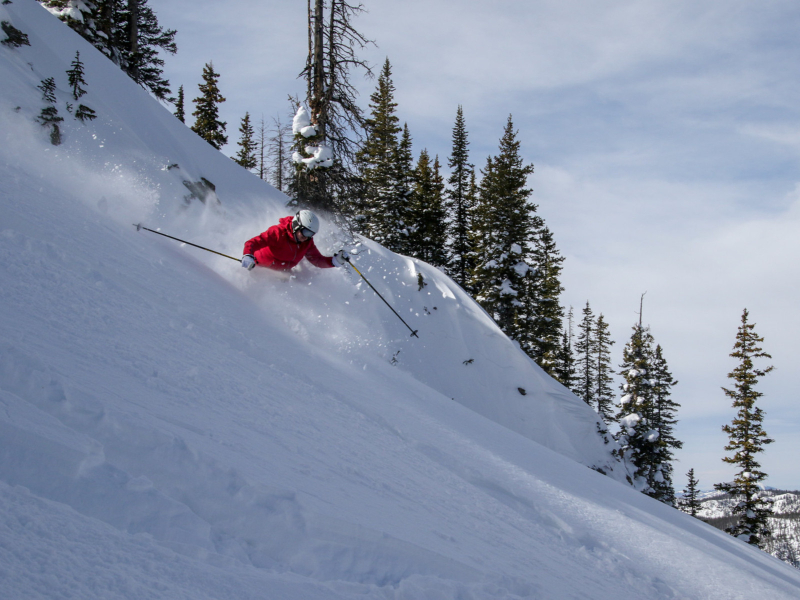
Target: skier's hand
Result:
[[340, 258], [248, 262]]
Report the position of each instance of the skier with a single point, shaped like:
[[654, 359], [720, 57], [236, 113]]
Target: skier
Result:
[[284, 245]]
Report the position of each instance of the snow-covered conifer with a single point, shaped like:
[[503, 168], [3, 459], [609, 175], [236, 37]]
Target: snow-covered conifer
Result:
[[747, 438], [403, 189], [503, 229], [637, 438], [664, 409], [428, 227]]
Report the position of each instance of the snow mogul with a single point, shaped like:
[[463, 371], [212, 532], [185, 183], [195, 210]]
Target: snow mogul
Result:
[[284, 245]]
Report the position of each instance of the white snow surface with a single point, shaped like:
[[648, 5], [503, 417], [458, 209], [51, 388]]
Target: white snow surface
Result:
[[173, 426]]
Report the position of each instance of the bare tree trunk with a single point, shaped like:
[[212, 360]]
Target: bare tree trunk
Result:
[[310, 52], [317, 100], [261, 141]]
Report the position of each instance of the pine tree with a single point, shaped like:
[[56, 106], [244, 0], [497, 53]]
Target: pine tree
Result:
[[503, 232], [637, 439], [747, 438], [14, 37], [246, 156], [76, 80], [207, 124], [585, 351], [664, 409], [604, 394], [545, 318], [459, 209], [49, 117], [564, 371], [690, 503], [83, 113], [380, 210], [75, 77], [180, 112], [404, 181], [428, 230], [474, 239], [146, 38]]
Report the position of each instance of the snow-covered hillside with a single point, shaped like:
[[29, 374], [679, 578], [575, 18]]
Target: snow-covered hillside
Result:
[[174, 426]]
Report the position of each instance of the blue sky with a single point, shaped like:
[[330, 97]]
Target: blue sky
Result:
[[665, 138]]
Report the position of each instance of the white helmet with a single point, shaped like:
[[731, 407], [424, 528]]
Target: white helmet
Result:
[[306, 223]]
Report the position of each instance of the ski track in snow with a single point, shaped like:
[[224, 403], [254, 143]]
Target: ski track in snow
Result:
[[174, 426]]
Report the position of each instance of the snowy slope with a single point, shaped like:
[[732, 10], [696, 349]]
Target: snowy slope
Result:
[[173, 426]]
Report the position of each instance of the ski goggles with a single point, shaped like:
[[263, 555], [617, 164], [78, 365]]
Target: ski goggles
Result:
[[305, 231]]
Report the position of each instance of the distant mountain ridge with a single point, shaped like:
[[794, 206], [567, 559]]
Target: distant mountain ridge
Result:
[[785, 525]]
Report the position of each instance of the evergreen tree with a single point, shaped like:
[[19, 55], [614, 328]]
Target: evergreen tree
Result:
[[604, 394], [146, 38], [75, 77], [474, 239], [664, 409], [404, 182], [747, 438], [690, 502], [83, 112], [428, 230], [459, 209], [14, 37], [76, 80], [246, 156], [180, 111], [585, 358], [381, 211], [49, 117], [127, 32], [637, 439], [545, 318], [564, 371], [503, 232], [207, 124]]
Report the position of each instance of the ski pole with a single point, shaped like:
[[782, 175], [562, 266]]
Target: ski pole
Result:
[[139, 227], [413, 331]]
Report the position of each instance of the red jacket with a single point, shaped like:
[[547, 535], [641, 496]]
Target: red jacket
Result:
[[277, 249]]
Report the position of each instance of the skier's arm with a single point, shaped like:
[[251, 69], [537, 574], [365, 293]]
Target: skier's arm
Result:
[[317, 259], [260, 241]]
